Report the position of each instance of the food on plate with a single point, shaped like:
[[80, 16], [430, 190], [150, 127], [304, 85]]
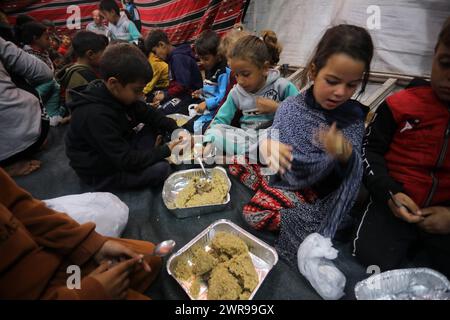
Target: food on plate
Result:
[[200, 192], [224, 267]]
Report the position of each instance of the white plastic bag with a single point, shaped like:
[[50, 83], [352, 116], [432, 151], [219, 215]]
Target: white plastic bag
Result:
[[107, 211], [314, 262]]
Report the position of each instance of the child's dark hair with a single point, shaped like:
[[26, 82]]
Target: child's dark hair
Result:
[[31, 31], [84, 40], [207, 43], [256, 50], [125, 62], [444, 35], [351, 40], [23, 18], [153, 38], [271, 40], [109, 5], [6, 31]]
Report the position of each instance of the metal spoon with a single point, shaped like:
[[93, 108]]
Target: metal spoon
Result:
[[208, 178], [163, 249]]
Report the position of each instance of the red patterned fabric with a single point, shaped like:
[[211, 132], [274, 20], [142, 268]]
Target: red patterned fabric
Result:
[[183, 20], [264, 209]]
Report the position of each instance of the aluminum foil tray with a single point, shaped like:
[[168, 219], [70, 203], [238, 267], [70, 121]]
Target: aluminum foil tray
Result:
[[404, 284], [181, 119], [178, 181], [264, 257]]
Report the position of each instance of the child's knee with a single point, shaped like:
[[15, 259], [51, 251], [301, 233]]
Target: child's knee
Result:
[[164, 169], [370, 252], [160, 171]]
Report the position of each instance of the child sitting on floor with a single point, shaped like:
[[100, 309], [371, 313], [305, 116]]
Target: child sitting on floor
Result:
[[406, 153], [226, 46], [119, 26], [185, 76], [258, 92], [160, 80], [88, 48], [105, 144], [37, 42], [315, 142], [217, 76]]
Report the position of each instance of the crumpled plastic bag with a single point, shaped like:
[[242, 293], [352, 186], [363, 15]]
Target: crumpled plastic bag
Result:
[[106, 210], [314, 262]]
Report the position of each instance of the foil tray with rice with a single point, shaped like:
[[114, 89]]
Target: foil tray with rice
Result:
[[223, 262], [186, 193], [180, 119]]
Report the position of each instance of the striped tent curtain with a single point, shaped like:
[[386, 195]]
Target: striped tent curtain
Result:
[[182, 20]]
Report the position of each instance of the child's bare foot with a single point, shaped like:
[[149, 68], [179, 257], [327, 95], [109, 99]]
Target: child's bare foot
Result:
[[159, 140], [23, 167]]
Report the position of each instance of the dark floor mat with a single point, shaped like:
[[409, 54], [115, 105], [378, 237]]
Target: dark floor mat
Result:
[[150, 220]]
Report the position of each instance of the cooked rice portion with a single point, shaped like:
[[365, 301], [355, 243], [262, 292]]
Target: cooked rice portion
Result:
[[199, 192], [226, 267]]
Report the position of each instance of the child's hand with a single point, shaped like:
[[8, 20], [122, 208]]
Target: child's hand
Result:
[[201, 107], [278, 156], [402, 213], [113, 250], [172, 144], [154, 105], [265, 105], [335, 143], [197, 94], [208, 149], [437, 220], [115, 280], [186, 138]]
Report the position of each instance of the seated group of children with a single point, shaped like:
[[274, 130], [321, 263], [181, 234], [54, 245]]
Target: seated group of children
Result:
[[315, 141]]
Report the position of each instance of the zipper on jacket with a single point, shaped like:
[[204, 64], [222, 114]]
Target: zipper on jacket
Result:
[[438, 165]]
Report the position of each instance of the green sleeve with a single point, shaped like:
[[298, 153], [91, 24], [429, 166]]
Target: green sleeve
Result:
[[224, 116], [290, 91], [134, 33]]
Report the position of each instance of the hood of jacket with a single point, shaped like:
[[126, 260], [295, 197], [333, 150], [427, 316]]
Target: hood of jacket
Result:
[[272, 76], [64, 75], [183, 49], [93, 93]]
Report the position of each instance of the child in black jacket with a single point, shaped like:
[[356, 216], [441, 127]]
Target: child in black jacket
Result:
[[106, 143]]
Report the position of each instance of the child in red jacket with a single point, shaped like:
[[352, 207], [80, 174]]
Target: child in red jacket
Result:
[[407, 173]]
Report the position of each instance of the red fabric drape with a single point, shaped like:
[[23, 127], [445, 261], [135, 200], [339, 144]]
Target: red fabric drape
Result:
[[183, 20]]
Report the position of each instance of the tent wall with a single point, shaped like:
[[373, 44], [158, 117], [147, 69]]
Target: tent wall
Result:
[[183, 20], [404, 43]]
